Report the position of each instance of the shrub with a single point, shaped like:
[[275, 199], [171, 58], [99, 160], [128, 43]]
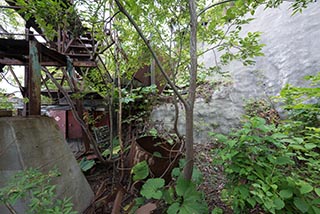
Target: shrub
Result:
[[35, 187], [276, 168], [264, 170]]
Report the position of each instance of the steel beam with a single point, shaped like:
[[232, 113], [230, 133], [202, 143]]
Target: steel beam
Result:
[[33, 80]]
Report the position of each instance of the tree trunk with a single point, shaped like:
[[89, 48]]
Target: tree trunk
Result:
[[193, 79], [192, 91]]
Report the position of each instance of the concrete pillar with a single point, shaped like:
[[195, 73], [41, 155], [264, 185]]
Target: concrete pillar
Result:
[[36, 142]]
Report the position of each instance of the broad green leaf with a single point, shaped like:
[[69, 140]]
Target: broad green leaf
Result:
[[297, 147], [193, 207], [283, 160], [168, 195], [252, 202], [244, 191], [188, 209], [116, 150], [298, 140], [106, 153], [279, 204], [316, 201], [192, 195], [316, 209], [274, 186], [85, 164], [217, 210], [152, 188], [140, 171], [279, 136], [231, 143], [317, 190], [193, 201], [175, 172], [182, 186], [287, 193], [305, 188], [173, 208], [197, 175], [221, 138], [301, 204], [157, 154], [137, 203], [268, 204], [310, 146]]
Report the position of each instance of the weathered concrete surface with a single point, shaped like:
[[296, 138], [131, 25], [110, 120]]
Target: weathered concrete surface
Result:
[[291, 52], [37, 142]]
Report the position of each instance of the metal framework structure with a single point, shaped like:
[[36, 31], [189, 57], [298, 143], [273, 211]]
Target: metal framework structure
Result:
[[69, 53]]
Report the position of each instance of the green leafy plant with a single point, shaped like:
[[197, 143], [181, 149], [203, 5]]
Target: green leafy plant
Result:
[[271, 168], [86, 164], [260, 163], [185, 198], [35, 187], [135, 101], [5, 103], [181, 197], [153, 188], [303, 107], [113, 150], [302, 104], [50, 16], [140, 171]]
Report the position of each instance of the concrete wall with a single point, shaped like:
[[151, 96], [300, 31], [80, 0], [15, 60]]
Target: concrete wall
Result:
[[37, 142], [292, 51]]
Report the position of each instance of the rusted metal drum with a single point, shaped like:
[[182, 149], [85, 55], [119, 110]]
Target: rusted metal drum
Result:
[[159, 154]]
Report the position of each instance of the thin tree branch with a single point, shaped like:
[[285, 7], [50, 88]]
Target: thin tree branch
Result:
[[108, 20], [213, 47], [17, 80], [10, 208], [175, 101], [213, 5], [118, 75], [125, 12], [106, 48]]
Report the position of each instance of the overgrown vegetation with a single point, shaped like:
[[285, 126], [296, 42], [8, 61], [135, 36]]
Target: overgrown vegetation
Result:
[[268, 167], [5, 104], [51, 16], [34, 187], [271, 168]]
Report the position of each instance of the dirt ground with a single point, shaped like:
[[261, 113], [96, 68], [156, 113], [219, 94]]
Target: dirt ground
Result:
[[213, 179]]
